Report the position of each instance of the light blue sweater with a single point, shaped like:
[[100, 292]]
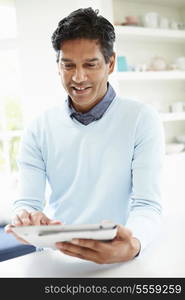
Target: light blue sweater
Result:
[[107, 170]]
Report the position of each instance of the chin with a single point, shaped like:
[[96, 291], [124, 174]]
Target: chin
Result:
[[81, 100]]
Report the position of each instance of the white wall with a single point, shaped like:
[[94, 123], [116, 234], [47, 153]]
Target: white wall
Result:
[[36, 21]]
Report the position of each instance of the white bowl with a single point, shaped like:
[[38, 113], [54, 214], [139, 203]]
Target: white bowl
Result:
[[180, 139], [174, 148]]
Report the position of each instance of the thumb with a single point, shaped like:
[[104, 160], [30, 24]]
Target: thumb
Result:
[[46, 221], [123, 232], [54, 222]]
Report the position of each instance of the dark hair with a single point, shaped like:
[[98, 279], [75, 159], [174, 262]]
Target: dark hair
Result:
[[85, 23]]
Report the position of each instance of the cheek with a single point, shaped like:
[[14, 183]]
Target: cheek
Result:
[[64, 78], [101, 78]]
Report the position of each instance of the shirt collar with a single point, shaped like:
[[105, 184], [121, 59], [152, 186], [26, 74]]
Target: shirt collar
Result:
[[94, 113]]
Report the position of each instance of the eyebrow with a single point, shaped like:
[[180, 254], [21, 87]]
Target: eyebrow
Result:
[[88, 59]]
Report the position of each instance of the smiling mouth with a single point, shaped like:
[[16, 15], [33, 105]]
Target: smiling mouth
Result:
[[80, 90]]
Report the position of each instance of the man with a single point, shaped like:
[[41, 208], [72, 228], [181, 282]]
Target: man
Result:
[[102, 155]]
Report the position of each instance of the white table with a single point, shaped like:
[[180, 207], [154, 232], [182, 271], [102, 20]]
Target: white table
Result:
[[166, 258]]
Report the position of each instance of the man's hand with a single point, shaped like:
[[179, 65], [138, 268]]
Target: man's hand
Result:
[[24, 218], [123, 248]]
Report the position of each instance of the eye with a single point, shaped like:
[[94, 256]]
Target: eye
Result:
[[67, 66], [91, 65]]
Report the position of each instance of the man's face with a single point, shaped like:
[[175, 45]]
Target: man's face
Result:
[[83, 72]]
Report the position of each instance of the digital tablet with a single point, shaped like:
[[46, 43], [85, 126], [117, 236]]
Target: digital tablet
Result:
[[48, 235]]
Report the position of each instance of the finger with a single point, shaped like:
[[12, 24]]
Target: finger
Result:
[[84, 252], [38, 218], [71, 253], [24, 217], [16, 221], [82, 255], [9, 229], [90, 244], [46, 221], [54, 222]]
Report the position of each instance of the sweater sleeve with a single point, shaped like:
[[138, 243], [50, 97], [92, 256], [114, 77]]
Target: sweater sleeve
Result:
[[147, 165], [32, 173]]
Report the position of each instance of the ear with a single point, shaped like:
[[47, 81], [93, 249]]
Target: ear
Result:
[[112, 63], [58, 66]]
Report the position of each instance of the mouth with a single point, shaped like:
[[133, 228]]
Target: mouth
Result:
[[81, 90]]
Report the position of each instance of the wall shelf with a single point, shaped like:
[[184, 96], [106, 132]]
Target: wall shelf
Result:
[[9, 134], [140, 45], [150, 75], [166, 35], [166, 117]]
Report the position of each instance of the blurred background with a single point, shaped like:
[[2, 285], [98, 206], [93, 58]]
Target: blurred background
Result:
[[150, 48]]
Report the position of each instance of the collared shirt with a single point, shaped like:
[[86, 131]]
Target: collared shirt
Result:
[[96, 112]]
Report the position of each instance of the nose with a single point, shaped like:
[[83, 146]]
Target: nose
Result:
[[79, 75]]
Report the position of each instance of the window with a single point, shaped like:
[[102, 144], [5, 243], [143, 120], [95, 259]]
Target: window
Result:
[[10, 110], [11, 119]]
